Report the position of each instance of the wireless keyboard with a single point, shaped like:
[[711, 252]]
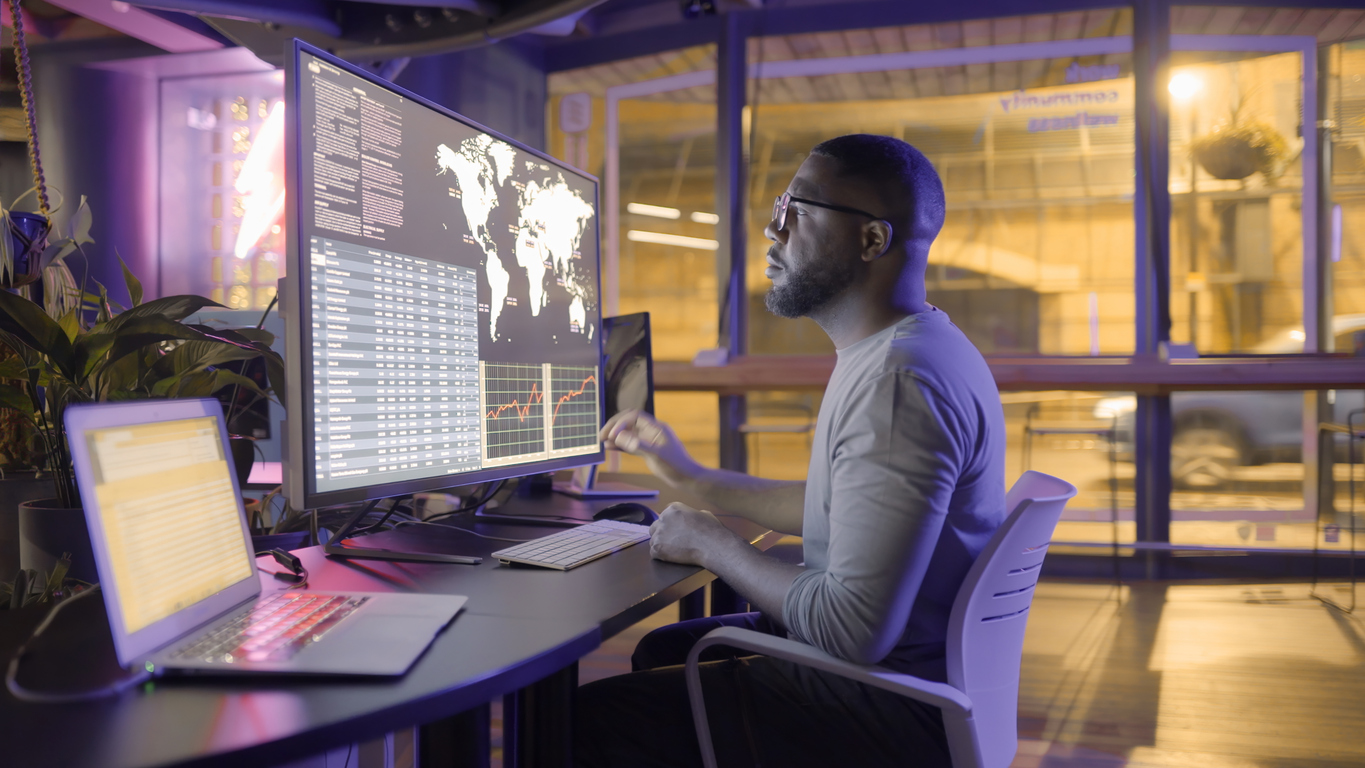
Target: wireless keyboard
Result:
[[576, 546]]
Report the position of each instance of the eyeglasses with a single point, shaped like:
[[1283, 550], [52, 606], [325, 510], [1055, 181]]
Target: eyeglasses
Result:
[[784, 199]]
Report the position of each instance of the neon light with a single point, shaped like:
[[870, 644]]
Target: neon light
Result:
[[261, 183]]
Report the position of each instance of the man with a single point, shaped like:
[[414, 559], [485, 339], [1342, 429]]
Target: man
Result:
[[906, 486]]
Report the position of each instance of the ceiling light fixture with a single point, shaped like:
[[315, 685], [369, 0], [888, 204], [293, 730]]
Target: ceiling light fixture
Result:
[[656, 211], [660, 238]]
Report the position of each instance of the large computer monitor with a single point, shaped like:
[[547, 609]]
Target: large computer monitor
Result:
[[441, 300]]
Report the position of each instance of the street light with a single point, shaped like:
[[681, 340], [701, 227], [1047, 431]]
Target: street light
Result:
[[1184, 86]]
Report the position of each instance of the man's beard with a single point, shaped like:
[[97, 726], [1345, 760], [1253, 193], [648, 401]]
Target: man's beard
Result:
[[810, 288]]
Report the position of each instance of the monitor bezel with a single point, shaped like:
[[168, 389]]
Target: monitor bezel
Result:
[[300, 486]]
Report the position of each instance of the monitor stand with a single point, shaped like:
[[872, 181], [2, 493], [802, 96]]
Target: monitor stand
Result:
[[585, 485], [336, 544]]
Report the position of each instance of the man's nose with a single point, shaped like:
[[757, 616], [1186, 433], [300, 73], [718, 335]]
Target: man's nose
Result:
[[772, 234]]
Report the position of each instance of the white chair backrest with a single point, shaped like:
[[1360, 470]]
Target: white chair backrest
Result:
[[986, 629]]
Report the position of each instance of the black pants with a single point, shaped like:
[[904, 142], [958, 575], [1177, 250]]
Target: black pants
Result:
[[762, 712]]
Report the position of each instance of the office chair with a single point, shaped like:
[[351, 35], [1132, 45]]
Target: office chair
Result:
[[985, 638]]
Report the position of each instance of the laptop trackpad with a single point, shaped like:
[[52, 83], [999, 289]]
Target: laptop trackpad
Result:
[[373, 644]]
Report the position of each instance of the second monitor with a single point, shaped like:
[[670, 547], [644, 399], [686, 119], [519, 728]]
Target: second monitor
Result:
[[628, 381]]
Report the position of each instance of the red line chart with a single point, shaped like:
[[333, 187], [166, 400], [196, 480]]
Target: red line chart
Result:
[[566, 397], [574, 420], [522, 411], [514, 409]]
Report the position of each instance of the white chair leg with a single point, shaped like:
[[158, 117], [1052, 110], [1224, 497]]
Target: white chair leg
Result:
[[695, 697]]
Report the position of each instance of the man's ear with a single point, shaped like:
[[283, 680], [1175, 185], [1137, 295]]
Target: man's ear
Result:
[[876, 239]]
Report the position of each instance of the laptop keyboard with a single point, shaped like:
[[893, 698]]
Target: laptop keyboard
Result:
[[576, 546], [275, 629]]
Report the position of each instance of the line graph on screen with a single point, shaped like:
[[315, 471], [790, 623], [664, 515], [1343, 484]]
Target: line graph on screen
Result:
[[575, 416], [514, 416]]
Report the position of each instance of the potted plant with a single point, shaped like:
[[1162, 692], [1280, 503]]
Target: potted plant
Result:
[[92, 353], [1238, 147]]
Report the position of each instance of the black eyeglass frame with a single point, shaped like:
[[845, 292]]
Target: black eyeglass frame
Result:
[[783, 200]]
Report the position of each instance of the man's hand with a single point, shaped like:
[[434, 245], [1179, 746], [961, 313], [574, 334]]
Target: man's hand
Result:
[[639, 434], [686, 535]]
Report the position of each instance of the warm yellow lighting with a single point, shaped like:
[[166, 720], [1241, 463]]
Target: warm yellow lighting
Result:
[[660, 238], [657, 211], [1185, 85], [702, 217]]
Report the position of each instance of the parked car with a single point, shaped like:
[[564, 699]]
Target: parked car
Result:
[[1216, 432]]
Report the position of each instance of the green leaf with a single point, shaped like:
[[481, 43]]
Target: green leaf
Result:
[[80, 224], [274, 371], [31, 326], [174, 308], [134, 286], [13, 368], [225, 378], [71, 324], [145, 331], [105, 314], [88, 350], [56, 252], [16, 399], [197, 355], [199, 384], [257, 334]]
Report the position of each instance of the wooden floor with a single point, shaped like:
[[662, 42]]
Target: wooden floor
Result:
[[1155, 675]]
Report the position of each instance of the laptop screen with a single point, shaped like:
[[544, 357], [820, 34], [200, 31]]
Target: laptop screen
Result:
[[169, 513]]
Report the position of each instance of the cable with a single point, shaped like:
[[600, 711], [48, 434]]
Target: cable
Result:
[[462, 530], [470, 506], [23, 694], [289, 561]]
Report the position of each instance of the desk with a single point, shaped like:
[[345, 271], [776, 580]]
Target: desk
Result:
[[520, 626]]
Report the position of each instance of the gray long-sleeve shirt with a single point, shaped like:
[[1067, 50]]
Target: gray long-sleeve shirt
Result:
[[906, 487]]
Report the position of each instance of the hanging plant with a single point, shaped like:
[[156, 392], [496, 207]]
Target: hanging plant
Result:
[[1237, 148], [24, 236], [1236, 151]]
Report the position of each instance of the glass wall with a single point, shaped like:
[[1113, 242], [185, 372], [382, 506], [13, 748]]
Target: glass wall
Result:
[[1237, 202], [1085, 437], [1346, 213], [1035, 145], [1036, 157], [664, 236]]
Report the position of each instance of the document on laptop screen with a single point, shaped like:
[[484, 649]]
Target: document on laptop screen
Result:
[[170, 516]]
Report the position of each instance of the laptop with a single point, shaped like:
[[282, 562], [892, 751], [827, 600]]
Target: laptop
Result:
[[177, 570]]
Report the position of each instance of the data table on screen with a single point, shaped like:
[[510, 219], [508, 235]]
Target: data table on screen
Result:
[[395, 364]]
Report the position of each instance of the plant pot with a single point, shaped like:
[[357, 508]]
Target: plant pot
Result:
[[243, 456], [28, 240], [47, 530], [17, 487], [1230, 158]]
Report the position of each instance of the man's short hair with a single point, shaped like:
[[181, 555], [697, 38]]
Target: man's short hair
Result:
[[897, 171]]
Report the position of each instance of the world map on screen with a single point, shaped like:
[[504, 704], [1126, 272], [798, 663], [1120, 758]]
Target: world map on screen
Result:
[[549, 221]]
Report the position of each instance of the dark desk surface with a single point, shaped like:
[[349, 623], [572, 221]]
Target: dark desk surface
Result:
[[520, 625], [615, 592], [263, 721]]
